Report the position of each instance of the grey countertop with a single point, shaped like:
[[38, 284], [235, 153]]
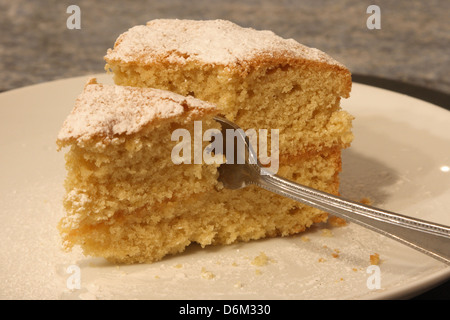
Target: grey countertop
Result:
[[412, 46]]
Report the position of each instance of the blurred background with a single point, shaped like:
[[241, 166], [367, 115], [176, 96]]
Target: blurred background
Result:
[[412, 45]]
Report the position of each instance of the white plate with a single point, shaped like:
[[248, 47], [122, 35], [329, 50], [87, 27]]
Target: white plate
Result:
[[398, 160]]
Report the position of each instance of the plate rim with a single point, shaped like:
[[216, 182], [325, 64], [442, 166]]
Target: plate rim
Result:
[[438, 98], [441, 100]]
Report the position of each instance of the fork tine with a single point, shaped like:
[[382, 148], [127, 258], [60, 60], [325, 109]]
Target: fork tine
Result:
[[249, 153], [234, 174]]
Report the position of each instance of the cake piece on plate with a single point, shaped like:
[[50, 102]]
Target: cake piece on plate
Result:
[[262, 82], [123, 185], [256, 78], [126, 199]]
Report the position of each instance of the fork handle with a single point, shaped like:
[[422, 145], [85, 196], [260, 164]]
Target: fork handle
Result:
[[426, 237]]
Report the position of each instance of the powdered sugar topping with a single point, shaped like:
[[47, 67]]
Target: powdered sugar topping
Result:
[[216, 42], [111, 110]]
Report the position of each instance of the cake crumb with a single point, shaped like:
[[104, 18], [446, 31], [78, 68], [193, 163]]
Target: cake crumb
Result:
[[305, 239], [260, 260], [321, 260], [375, 259], [207, 274], [238, 285], [258, 272], [365, 201], [336, 221], [335, 253], [178, 266], [327, 233]]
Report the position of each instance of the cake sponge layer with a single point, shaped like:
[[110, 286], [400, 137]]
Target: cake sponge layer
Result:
[[219, 216]]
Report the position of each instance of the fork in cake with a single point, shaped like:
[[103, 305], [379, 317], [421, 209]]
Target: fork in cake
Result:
[[427, 237]]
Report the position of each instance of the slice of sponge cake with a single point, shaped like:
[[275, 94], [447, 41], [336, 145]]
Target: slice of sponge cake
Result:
[[256, 78], [120, 168], [126, 199]]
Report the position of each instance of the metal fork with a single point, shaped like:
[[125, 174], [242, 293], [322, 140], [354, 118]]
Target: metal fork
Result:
[[427, 237]]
